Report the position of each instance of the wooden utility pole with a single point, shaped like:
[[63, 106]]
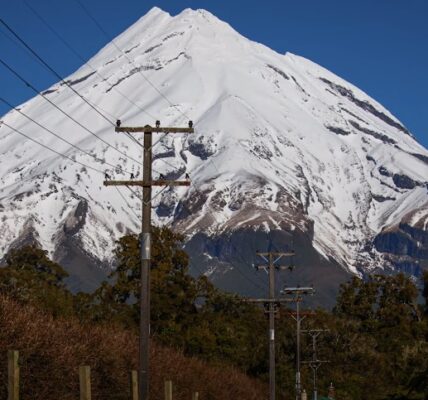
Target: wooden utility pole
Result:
[[145, 237], [271, 307], [298, 316]]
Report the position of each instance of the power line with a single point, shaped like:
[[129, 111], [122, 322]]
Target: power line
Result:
[[82, 97], [81, 58], [94, 20], [59, 137], [126, 202], [62, 155], [30, 49], [59, 77], [62, 111], [49, 148]]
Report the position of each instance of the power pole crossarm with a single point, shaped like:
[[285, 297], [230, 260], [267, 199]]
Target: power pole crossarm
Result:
[[278, 300], [151, 129], [162, 182]]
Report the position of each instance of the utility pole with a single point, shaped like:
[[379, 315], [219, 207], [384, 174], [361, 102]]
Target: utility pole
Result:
[[298, 317], [145, 238], [314, 364], [272, 304]]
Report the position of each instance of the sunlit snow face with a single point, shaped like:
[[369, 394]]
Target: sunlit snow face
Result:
[[280, 143]]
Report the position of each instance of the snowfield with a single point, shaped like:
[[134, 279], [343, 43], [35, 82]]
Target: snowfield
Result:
[[280, 143]]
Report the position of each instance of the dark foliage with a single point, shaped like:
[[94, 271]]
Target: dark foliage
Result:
[[376, 344]]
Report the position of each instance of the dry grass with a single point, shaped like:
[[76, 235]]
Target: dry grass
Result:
[[52, 350]]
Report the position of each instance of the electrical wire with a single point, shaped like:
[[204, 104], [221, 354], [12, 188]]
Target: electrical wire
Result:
[[49, 148], [59, 137], [81, 58], [67, 157], [32, 51], [62, 111], [110, 39], [126, 202], [89, 103], [62, 80]]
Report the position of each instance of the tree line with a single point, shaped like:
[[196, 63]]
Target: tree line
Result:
[[376, 344]]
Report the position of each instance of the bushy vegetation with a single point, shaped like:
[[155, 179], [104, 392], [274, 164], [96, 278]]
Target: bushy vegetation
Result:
[[376, 344]]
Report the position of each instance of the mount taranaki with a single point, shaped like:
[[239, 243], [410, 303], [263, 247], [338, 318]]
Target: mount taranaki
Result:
[[285, 155]]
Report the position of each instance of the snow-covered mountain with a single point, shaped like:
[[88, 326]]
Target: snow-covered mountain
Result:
[[285, 154]]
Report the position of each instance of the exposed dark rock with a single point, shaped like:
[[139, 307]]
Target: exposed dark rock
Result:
[[400, 181], [85, 271], [172, 35], [261, 151], [190, 206], [165, 210], [176, 174], [177, 57], [236, 204], [132, 48], [76, 220], [353, 115], [217, 201], [183, 155], [418, 234], [79, 80], [370, 158], [366, 106], [132, 72], [166, 154], [150, 49], [299, 86], [200, 149], [381, 199], [20, 196], [404, 241], [278, 71], [383, 171], [377, 135], [49, 91], [409, 268], [229, 258], [420, 157], [404, 182], [337, 130]]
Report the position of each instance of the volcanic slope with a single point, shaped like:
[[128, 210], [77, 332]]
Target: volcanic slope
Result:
[[286, 154]]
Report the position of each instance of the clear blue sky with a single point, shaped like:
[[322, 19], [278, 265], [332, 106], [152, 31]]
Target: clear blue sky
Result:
[[379, 45]]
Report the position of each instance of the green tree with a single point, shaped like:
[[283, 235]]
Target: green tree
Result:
[[31, 277], [174, 293]]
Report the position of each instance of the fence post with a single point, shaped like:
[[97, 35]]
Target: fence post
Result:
[[85, 382], [134, 385], [195, 396], [304, 396], [13, 374], [168, 390]]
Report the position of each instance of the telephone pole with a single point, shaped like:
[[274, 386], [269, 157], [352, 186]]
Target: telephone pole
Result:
[[315, 363], [298, 316], [272, 304], [145, 238]]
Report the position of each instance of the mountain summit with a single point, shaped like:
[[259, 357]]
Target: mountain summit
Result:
[[285, 154]]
